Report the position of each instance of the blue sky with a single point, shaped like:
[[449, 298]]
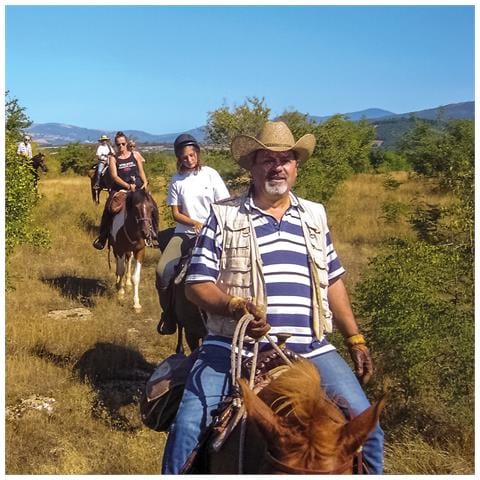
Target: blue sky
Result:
[[161, 69]]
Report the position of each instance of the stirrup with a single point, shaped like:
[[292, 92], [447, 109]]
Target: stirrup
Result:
[[99, 243]]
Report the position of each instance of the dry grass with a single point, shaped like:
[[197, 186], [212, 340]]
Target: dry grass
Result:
[[95, 427], [357, 220], [410, 454]]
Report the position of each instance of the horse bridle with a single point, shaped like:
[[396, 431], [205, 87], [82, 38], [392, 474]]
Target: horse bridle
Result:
[[138, 220], [282, 467]]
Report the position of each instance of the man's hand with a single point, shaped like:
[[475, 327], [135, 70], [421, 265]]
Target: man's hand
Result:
[[361, 358], [258, 327]]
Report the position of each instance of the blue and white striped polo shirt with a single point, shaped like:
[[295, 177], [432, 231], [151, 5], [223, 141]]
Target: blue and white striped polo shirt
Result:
[[285, 269]]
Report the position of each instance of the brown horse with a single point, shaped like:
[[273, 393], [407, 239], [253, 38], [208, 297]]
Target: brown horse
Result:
[[180, 312], [131, 231], [106, 182], [38, 162], [292, 427]]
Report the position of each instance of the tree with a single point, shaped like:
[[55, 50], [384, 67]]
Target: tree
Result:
[[342, 149], [77, 158], [16, 119], [447, 153], [20, 194], [248, 118]]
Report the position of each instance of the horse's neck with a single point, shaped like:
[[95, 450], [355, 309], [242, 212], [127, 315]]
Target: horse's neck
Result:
[[130, 226]]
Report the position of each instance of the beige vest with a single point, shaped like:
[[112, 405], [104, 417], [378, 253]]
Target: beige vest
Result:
[[241, 265]]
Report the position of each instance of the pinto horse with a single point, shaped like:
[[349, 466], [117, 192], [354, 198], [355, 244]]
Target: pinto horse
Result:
[[131, 232], [292, 427], [38, 162]]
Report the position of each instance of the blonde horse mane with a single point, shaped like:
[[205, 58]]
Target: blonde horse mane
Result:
[[298, 391]]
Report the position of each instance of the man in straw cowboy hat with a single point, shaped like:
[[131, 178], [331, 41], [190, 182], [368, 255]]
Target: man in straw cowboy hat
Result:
[[103, 151], [270, 253]]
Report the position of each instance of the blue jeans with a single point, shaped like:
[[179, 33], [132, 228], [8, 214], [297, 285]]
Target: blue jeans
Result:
[[209, 382]]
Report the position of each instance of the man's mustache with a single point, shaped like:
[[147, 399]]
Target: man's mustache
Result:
[[276, 177]]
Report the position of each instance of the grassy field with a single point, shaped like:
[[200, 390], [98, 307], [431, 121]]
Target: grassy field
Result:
[[89, 369]]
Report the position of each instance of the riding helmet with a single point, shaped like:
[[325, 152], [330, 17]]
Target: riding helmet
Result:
[[184, 140]]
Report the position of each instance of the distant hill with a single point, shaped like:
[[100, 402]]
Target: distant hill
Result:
[[61, 134], [368, 114], [390, 129], [445, 112], [389, 126]]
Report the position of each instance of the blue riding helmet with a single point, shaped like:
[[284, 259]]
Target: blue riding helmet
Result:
[[184, 140]]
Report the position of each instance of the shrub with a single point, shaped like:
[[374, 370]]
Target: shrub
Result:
[[20, 194], [393, 210], [417, 300], [77, 158], [160, 164], [417, 295], [388, 161]]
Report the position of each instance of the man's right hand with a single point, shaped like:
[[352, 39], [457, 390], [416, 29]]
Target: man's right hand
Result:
[[258, 327]]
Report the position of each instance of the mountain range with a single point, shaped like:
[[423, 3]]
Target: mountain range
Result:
[[56, 134]]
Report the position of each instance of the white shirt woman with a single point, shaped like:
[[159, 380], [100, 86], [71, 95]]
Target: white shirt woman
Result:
[[191, 191]]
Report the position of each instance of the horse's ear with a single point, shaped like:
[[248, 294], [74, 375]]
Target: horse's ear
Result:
[[356, 431], [268, 423]]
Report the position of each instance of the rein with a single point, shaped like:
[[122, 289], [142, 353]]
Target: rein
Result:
[[236, 367]]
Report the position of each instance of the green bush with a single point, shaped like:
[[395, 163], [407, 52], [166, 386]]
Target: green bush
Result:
[[391, 183], [342, 149], [224, 164], [417, 296], [393, 210], [77, 158], [160, 164], [20, 193], [384, 161], [417, 300]]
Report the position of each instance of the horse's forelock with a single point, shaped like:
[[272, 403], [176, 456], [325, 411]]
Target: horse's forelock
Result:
[[300, 390], [315, 421]]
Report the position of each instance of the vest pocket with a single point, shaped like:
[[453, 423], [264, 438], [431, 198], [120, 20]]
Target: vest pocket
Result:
[[236, 271], [319, 254]]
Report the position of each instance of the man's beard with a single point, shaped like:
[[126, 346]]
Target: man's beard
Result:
[[273, 187]]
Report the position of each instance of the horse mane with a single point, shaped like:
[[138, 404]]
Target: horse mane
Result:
[[136, 197], [312, 422], [298, 390]]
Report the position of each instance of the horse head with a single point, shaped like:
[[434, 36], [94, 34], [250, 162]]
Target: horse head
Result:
[[305, 431], [140, 208]]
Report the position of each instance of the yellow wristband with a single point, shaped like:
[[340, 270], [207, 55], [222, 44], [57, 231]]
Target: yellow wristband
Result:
[[357, 339]]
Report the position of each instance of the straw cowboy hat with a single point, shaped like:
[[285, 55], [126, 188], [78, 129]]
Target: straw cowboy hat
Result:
[[276, 137], [103, 137]]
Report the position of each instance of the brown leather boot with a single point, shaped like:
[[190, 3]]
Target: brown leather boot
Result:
[[101, 240]]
